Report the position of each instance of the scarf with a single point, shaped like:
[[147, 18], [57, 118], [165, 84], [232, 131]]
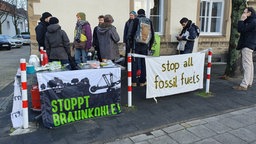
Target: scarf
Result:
[[79, 26]]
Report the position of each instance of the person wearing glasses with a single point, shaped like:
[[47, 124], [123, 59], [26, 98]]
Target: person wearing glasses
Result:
[[247, 44]]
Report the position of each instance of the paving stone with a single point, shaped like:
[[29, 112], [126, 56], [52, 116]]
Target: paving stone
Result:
[[196, 122], [202, 131], [210, 119], [217, 127], [158, 133], [184, 137], [173, 128], [232, 123], [245, 119], [244, 134], [227, 138], [252, 128], [207, 141], [141, 137], [165, 139], [121, 141]]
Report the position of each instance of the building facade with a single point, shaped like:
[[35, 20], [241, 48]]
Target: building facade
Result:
[[8, 14], [212, 16]]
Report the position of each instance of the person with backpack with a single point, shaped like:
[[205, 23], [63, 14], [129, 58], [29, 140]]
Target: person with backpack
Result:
[[82, 38], [142, 37], [187, 36]]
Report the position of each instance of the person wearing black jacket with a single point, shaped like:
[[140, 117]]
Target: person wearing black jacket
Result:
[[41, 29], [95, 41], [247, 44], [138, 66], [127, 30], [187, 35]]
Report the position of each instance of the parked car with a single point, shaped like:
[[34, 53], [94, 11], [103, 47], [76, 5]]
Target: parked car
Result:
[[4, 43], [25, 38], [15, 43]]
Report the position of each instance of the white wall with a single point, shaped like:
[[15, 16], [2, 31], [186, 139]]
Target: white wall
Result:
[[180, 10], [8, 27], [66, 12]]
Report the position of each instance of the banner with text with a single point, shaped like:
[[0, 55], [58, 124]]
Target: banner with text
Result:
[[70, 96], [168, 75]]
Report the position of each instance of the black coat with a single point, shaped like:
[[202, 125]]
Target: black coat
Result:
[[41, 29], [247, 30]]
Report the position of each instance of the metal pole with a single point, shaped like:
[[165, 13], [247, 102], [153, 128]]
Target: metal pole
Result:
[[24, 92], [209, 65], [129, 72]]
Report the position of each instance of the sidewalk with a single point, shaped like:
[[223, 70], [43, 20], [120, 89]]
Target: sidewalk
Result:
[[237, 127], [180, 118]]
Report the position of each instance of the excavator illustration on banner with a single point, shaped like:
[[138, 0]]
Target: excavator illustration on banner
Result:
[[110, 84]]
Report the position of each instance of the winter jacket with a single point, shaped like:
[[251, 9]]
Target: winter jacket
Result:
[[247, 30], [189, 35], [86, 30], [57, 43], [41, 29], [108, 39]]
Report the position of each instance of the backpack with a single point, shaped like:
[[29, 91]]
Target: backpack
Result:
[[197, 30], [143, 33]]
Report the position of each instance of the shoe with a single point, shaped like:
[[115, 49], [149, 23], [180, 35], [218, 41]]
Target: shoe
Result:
[[134, 84], [240, 88], [143, 84]]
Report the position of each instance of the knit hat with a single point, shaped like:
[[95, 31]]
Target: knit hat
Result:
[[141, 11], [81, 15], [108, 19], [53, 20], [45, 15], [133, 12]]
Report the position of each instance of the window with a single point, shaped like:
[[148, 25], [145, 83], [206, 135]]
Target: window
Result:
[[211, 16], [154, 10]]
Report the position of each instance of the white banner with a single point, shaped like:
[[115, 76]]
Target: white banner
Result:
[[16, 115], [94, 77], [168, 75]]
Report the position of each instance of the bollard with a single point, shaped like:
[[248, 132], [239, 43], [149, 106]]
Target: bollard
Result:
[[129, 72], [24, 92], [209, 65]]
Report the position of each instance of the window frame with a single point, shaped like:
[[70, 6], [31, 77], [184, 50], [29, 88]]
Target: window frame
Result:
[[209, 15], [147, 7]]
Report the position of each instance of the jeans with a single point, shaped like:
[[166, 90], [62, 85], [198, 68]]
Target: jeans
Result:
[[80, 55], [248, 67]]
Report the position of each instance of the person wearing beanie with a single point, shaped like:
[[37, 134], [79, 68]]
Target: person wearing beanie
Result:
[[108, 39], [127, 31], [41, 29], [57, 43], [53, 20], [95, 41], [82, 38], [142, 39]]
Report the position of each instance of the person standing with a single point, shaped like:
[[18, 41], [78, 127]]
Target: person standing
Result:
[[108, 39], [95, 42], [41, 29], [57, 44], [82, 38], [247, 44], [127, 31], [187, 36], [142, 36]]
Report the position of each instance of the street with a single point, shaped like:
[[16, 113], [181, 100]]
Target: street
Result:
[[10, 61]]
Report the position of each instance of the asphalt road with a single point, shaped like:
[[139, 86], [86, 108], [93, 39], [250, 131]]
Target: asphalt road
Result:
[[9, 63]]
